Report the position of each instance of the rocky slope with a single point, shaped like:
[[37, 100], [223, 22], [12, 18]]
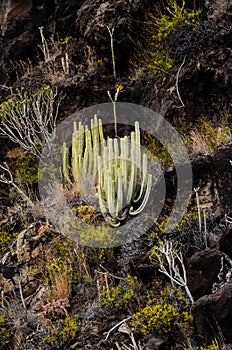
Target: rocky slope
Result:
[[45, 280]]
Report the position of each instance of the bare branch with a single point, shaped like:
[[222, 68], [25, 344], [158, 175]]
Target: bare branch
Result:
[[7, 178], [30, 118], [171, 255], [177, 83], [118, 324]]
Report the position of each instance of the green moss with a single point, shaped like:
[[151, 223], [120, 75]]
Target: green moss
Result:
[[5, 239], [26, 169]]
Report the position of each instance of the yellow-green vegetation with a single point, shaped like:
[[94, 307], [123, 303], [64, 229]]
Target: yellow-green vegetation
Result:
[[87, 213], [5, 332], [177, 296], [168, 312], [17, 105], [161, 318], [67, 40], [66, 263], [121, 294], [90, 234], [173, 14], [102, 255], [206, 136], [67, 332], [156, 149], [59, 269], [5, 239], [26, 169], [210, 347], [158, 233]]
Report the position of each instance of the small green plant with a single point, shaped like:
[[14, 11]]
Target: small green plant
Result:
[[121, 294], [206, 137], [5, 332], [66, 40], [87, 213], [66, 332], [174, 14], [27, 169], [5, 239], [161, 318], [210, 347]]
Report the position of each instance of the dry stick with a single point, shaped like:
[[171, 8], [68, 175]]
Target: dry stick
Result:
[[110, 274], [133, 341], [177, 82], [228, 219], [111, 32], [2, 297], [118, 324], [205, 227], [21, 293], [45, 46], [65, 64], [198, 206]]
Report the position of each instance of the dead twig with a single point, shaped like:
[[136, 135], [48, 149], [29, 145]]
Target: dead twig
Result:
[[117, 325]]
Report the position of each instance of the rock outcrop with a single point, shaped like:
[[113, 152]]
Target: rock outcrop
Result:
[[225, 242], [213, 313], [202, 272]]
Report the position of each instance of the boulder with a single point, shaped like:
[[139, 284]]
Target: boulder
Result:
[[213, 314], [225, 242], [202, 272], [156, 344]]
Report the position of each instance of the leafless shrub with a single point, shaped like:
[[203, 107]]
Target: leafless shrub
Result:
[[28, 119]]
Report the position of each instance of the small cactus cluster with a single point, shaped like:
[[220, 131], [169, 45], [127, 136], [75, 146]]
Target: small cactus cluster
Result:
[[116, 167]]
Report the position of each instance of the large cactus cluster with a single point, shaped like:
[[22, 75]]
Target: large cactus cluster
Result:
[[115, 166], [87, 145]]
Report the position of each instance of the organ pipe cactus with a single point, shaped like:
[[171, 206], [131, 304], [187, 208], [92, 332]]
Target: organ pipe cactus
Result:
[[85, 150], [116, 166]]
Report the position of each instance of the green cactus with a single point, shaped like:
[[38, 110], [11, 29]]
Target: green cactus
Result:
[[122, 182]]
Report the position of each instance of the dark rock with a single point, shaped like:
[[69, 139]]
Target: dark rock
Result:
[[218, 10], [213, 314], [92, 21], [225, 242], [202, 271], [156, 344]]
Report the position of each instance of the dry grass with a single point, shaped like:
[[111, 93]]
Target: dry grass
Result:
[[61, 285], [206, 136]]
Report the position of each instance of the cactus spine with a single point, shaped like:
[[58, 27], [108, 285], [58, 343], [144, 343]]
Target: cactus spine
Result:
[[123, 183]]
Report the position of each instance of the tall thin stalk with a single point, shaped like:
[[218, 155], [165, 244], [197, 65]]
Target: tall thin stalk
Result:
[[114, 107], [111, 32]]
